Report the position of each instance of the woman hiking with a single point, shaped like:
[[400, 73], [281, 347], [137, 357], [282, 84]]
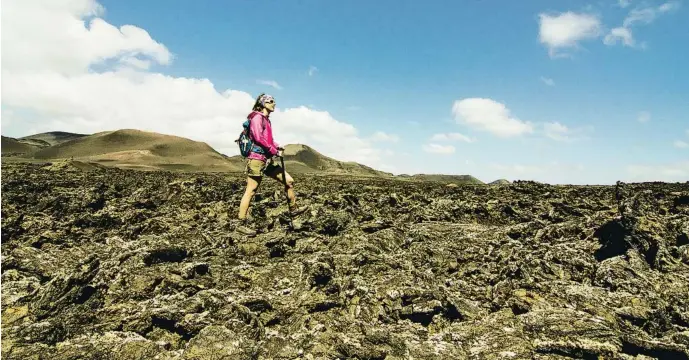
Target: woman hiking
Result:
[[260, 161]]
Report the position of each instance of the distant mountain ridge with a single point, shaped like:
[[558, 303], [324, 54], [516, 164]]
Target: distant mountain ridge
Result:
[[450, 179], [130, 148], [12, 146], [50, 138], [144, 150], [303, 159], [304, 156], [32, 143], [136, 149]]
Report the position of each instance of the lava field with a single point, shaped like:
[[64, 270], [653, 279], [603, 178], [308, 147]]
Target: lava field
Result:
[[122, 264]]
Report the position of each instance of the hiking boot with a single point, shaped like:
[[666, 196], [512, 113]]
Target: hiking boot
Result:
[[243, 228], [295, 211]]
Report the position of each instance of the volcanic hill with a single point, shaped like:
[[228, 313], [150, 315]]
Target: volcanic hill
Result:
[[136, 149], [12, 146], [304, 159], [51, 138], [143, 150]]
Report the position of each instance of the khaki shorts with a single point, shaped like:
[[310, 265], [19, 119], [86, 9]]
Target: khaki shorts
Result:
[[258, 168]]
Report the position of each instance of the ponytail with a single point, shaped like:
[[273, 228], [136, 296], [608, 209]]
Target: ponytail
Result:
[[258, 106]]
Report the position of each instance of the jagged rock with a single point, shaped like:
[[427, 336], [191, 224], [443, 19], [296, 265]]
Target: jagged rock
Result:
[[219, 342], [373, 226], [66, 289], [146, 265], [572, 333]]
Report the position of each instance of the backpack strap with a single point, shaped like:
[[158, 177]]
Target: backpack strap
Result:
[[254, 146]]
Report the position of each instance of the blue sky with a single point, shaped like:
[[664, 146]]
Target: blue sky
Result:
[[398, 67]]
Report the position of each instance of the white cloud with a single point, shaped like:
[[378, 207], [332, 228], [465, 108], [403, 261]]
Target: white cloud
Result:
[[312, 70], [489, 115], [560, 132], [270, 83], [644, 117], [670, 172], [638, 16], [452, 137], [647, 15], [64, 43], [71, 77], [494, 117], [566, 30], [681, 144], [668, 6], [135, 62], [556, 131], [622, 34], [548, 81], [384, 137], [326, 134], [623, 3], [439, 149]]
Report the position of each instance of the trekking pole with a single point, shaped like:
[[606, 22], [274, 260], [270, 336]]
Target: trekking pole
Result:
[[284, 179]]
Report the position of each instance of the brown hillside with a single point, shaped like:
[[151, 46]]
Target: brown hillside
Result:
[[50, 138], [303, 159], [500, 182], [40, 144], [319, 163], [140, 150], [13, 146]]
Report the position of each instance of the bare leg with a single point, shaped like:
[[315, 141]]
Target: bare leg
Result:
[[289, 186], [251, 186]]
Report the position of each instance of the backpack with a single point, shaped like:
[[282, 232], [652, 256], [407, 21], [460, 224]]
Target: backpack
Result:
[[246, 144]]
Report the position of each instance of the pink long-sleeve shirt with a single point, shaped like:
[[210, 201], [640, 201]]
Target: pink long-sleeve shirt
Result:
[[262, 134]]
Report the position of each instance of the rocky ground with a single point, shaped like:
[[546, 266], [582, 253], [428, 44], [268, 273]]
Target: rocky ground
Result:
[[116, 264]]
